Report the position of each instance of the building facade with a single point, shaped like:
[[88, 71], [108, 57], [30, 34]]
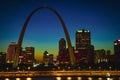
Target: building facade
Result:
[[63, 56], [11, 51], [47, 58], [117, 47], [100, 56], [29, 56], [2, 58], [84, 49]]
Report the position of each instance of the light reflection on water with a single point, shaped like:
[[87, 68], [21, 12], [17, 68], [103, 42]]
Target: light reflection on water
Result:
[[109, 78], [89, 78], [58, 78], [61, 78], [17, 78], [7, 79], [99, 78], [28, 78], [79, 78], [69, 78]]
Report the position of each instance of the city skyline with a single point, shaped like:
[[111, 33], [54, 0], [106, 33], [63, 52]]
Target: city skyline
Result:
[[103, 16]]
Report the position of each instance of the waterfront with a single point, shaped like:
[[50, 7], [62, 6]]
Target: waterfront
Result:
[[60, 75], [62, 78]]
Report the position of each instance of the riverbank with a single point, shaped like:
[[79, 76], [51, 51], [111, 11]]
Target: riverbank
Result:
[[58, 73]]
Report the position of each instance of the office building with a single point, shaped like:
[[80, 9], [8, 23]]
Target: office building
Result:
[[83, 39], [51, 58], [11, 51], [62, 44], [117, 47], [84, 49], [29, 56], [115, 58], [63, 56], [47, 58], [100, 56], [2, 57]]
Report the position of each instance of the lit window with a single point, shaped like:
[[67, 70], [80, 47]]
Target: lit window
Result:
[[115, 43], [79, 31]]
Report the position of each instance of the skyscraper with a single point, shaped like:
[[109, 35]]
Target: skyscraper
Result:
[[82, 39], [62, 44], [116, 57], [29, 56], [2, 57], [51, 58], [46, 58], [117, 47], [63, 56], [83, 45], [11, 52]]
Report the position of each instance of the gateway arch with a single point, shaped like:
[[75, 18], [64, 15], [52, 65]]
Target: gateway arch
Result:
[[24, 29]]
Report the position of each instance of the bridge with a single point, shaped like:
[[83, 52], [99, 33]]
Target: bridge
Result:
[[59, 73]]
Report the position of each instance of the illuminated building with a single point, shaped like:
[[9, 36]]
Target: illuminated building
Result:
[[63, 57], [117, 47], [29, 55], [115, 58], [47, 58], [2, 57], [83, 46], [11, 52], [2, 61], [51, 58], [82, 39], [100, 56], [62, 44]]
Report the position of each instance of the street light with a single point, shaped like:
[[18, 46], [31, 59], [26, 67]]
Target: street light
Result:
[[110, 67], [79, 78], [18, 79], [58, 78], [18, 68], [99, 67], [28, 78], [7, 79], [7, 68], [89, 67], [29, 68], [69, 78]]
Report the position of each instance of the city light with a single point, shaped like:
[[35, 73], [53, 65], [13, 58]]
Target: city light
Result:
[[69, 78], [88, 47], [7, 79], [58, 78], [28, 78], [99, 78], [90, 78], [18, 79], [79, 78], [79, 31], [109, 78]]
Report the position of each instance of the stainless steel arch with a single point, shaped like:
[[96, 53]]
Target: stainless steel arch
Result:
[[24, 29]]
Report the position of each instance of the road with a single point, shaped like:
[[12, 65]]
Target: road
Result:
[[59, 73]]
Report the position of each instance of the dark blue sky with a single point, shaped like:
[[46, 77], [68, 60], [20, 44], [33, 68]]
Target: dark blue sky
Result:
[[101, 17]]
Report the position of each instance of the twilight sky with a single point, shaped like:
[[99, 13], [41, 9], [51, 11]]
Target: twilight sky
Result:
[[101, 17]]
